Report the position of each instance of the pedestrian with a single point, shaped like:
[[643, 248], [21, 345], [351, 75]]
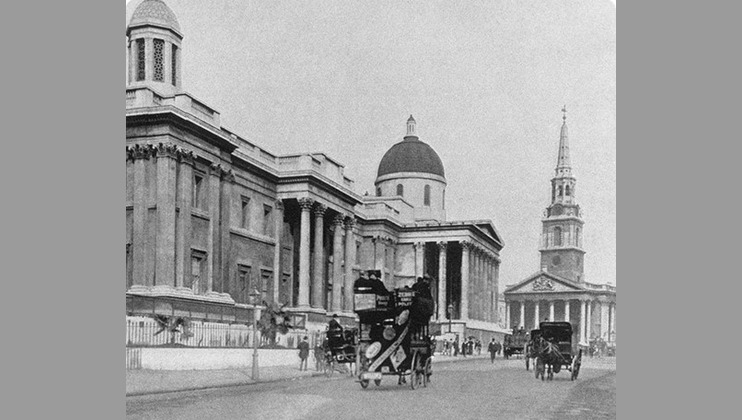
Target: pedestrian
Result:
[[464, 345], [456, 347], [492, 348], [303, 347]]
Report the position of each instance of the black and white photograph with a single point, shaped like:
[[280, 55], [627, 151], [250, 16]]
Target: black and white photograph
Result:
[[370, 209]]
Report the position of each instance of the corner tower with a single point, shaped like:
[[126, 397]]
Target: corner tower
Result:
[[412, 170], [154, 39], [561, 244]]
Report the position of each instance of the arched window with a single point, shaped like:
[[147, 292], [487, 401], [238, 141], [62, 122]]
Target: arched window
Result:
[[426, 197], [400, 190], [378, 191], [566, 190], [557, 236], [560, 191]]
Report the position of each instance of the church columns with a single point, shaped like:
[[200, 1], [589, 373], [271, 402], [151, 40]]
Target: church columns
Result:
[[304, 238], [566, 310], [442, 281], [465, 248], [507, 314], [350, 259], [536, 314], [583, 322], [337, 260], [551, 311], [522, 313], [588, 331], [319, 257]]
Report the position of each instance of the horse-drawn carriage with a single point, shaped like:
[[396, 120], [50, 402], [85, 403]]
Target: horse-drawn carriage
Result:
[[340, 349], [554, 350], [394, 337], [514, 343]]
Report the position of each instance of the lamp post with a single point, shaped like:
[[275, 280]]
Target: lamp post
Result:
[[255, 297], [450, 315]]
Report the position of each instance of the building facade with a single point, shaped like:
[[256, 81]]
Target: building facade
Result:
[[559, 292], [213, 220]]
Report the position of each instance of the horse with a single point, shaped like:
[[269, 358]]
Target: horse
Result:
[[549, 359]]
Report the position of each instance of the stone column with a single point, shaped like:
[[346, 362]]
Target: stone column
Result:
[[441, 310], [149, 57], [337, 262], [551, 311], [183, 237], [212, 258], [165, 241], [588, 330], [536, 308], [225, 243], [350, 260], [277, 250], [304, 238], [466, 247], [318, 280], [476, 281], [419, 259], [139, 154], [507, 314], [566, 310], [583, 321]]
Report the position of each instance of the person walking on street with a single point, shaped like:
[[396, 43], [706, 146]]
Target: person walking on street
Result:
[[492, 348], [303, 347]]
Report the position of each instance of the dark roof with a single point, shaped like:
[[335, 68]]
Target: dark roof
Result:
[[156, 13], [411, 155]]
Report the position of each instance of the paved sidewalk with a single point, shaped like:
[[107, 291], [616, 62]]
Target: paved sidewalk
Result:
[[143, 382]]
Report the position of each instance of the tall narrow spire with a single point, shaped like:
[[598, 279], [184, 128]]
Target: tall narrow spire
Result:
[[563, 167]]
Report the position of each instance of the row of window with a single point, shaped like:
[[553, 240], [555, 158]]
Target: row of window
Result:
[[199, 202], [562, 192], [400, 192], [159, 58]]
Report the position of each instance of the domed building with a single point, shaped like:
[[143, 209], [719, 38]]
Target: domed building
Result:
[[218, 226], [412, 169]]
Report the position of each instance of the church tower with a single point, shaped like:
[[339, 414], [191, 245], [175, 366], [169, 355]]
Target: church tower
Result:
[[561, 244]]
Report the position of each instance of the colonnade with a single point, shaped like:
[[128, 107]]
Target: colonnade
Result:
[[602, 316]]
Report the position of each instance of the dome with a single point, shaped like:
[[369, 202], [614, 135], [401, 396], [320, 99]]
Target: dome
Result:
[[411, 155], [155, 13]]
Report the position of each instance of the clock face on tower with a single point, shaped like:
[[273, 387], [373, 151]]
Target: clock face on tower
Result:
[[556, 260], [556, 210]]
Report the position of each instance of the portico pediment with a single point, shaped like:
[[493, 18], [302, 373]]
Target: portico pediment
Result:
[[543, 282]]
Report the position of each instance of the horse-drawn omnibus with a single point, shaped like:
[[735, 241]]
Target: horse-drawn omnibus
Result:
[[394, 334]]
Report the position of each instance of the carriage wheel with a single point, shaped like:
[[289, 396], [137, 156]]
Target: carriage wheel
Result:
[[428, 369], [416, 372], [364, 383]]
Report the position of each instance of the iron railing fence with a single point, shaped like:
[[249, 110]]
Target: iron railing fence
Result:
[[146, 332]]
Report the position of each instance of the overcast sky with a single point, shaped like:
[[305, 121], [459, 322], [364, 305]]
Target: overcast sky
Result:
[[485, 80]]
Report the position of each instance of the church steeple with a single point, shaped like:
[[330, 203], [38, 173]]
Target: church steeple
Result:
[[563, 167], [561, 244], [411, 129]]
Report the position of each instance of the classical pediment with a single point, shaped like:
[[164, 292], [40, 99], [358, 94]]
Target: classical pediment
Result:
[[544, 283]]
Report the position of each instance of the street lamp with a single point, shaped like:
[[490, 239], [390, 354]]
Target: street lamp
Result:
[[450, 315], [255, 297]]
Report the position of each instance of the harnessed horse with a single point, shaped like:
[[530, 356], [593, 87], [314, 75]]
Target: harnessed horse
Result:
[[549, 359]]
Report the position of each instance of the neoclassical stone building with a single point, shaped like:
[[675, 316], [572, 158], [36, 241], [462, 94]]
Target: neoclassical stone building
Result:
[[212, 216], [559, 291]]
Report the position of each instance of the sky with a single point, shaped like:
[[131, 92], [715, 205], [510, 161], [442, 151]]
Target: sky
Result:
[[485, 80]]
